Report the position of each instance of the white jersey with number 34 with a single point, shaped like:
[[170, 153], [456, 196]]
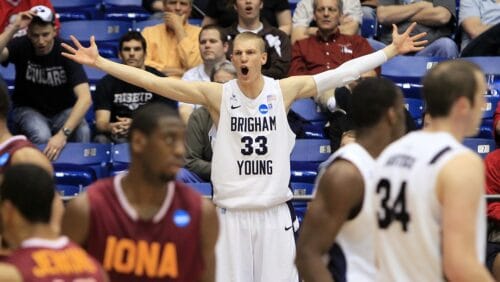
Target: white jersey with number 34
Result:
[[409, 215]]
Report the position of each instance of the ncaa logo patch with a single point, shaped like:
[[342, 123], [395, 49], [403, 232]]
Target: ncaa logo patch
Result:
[[263, 109], [4, 159], [181, 218]]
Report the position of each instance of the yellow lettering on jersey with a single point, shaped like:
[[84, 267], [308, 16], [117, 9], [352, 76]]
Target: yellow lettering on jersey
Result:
[[141, 258], [67, 262], [147, 258], [168, 265], [125, 255], [108, 252]]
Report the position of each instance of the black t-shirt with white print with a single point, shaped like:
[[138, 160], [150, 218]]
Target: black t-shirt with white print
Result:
[[46, 82], [122, 98]]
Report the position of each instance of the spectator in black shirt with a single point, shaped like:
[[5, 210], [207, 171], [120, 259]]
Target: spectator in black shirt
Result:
[[116, 100], [51, 93]]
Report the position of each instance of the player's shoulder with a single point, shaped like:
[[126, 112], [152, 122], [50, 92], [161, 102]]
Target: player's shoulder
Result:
[[9, 273]]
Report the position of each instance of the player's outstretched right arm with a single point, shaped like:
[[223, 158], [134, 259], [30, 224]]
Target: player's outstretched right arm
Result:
[[297, 87], [203, 93], [460, 187], [209, 235], [325, 216]]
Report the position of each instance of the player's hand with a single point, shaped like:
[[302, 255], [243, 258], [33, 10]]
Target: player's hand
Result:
[[404, 43], [55, 145], [87, 56]]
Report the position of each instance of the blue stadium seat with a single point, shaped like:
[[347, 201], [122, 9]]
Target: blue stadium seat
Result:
[[308, 110], [407, 72], [107, 34], [416, 109], [369, 27], [75, 10], [293, 5], [306, 157], [204, 188], [315, 129], [142, 24], [490, 106], [490, 66], [69, 191], [93, 75], [80, 164], [485, 129], [301, 189], [481, 146], [125, 10], [9, 76], [124, 3], [120, 159], [195, 21]]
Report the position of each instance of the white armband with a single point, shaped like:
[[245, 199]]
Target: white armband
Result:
[[348, 71]]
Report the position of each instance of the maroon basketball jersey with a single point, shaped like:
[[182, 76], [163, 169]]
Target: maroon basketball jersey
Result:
[[9, 147], [54, 260], [165, 248]]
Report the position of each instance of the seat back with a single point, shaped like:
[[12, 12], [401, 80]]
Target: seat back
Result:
[[490, 106], [416, 108], [9, 76], [368, 27], [140, 25], [107, 34], [120, 159], [481, 146], [300, 206], [77, 9], [490, 66], [204, 188], [125, 10], [407, 72], [306, 157], [308, 110], [80, 164]]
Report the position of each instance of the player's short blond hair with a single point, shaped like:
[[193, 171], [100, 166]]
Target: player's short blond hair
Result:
[[252, 36]]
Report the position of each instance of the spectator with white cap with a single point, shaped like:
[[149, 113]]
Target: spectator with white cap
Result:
[[10, 9], [51, 93]]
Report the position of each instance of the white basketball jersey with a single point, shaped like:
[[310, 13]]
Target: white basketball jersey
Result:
[[409, 215], [357, 235], [251, 160]]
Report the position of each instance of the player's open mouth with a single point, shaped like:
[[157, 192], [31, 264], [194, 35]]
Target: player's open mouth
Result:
[[244, 70]]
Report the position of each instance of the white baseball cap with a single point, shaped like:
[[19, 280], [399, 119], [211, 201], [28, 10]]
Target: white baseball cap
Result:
[[44, 13]]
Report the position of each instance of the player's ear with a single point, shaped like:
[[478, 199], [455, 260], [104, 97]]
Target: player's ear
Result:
[[7, 210], [138, 141], [461, 106], [392, 116], [264, 58]]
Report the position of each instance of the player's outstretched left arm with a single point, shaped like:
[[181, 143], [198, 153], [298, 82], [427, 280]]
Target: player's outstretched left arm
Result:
[[326, 214], [309, 86]]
